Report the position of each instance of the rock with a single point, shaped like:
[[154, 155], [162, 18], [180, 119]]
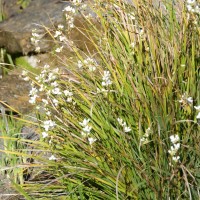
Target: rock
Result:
[[15, 32], [11, 8], [15, 92]]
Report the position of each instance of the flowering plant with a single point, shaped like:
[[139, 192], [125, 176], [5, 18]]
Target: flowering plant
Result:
[[115, 127]]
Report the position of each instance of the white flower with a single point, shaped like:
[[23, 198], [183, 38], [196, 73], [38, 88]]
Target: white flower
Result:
[[24, 73], [67, 93], [197, 9], [90, 63], [54, 84], [69, 100], [60, 26], [84, 134], [56, 91], [45, 101], [189, 7], [40, 78], [91, 140], [37, 49], [44, 134], [85, 122], [175, 158], [69, 9], [180, 101], [92, 68], [87, 129], [198, 116], [71, 22], [42, 87], [174, 138], [35, 35], [189, 100], [58, 33], [84, 6], [26, 78], [144, 140], [52, 157], [176, 146], [33, 91], [32, 99], [55, 102], [62, 38], [172, 151], [147, 132], [51, 77], [80, 65], [48, 113], [59, 49], [48, 124], [133, 45], [46, 66], [88, 16], [121, 122], [106, 79], [127, 129], [197, 108], [34, 41]]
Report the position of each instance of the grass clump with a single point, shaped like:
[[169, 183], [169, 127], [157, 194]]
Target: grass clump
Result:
[[124, 123], [10, 130]]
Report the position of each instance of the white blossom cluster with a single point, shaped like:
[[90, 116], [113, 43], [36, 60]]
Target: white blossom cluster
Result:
[[52, 157], [106, 79], [49, 77], [193, 6], [145, 137], [69, 16], [89, 63], [174, 148], [189, 100], [25, 76], [86, 130], [69, 95], [126, 128], [48, 83], [48, 125], [33, 94], [59, 35], [186, 100], [35, 39]]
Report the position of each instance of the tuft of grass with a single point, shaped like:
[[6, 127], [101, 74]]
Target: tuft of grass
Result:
[[9, 135], [108, 127]]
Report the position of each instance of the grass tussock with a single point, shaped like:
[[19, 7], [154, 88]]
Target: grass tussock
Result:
[[125, 123]]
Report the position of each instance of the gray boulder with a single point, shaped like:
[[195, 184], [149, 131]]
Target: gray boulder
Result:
[[15, 32]]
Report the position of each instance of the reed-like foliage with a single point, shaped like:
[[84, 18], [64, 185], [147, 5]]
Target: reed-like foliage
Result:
[[125, 123]]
